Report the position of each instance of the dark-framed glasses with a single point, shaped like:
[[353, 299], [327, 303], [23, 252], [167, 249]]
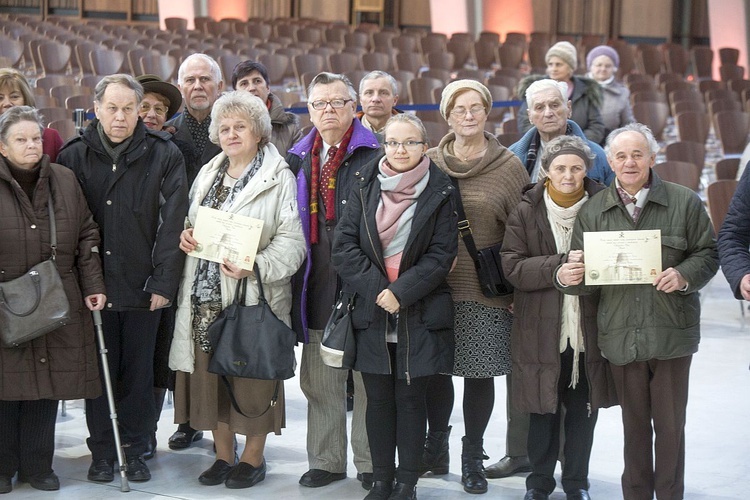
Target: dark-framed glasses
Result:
[[335, 104]]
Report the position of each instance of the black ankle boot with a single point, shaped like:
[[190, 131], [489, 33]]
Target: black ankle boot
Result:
[[403, 491], [436, 457], [381, 490], [472, 470]]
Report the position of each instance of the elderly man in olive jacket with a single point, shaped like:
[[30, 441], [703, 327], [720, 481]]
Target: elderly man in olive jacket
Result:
[[648, 332]]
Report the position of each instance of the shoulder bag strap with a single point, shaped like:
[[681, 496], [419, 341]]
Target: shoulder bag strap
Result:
[[464, 227], [236, 405], [52, 227], [261, 295]]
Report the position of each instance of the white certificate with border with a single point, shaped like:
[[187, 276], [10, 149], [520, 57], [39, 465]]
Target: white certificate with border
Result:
[[223, 235], [622, 257]]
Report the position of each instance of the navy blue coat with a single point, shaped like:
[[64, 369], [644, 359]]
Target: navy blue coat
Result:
[[734, 236]]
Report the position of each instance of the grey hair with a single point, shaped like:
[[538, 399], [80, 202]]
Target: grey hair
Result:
[[553, 148], [407, 118], [372, 75], [326, 78], [546, 84], [215, 69], [118, 78], [18, 114], [245, 105], [640, 128]]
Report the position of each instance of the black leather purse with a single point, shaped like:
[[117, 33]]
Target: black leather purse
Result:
[[338, 348], [251, 342], [487, 260], [34, 304]]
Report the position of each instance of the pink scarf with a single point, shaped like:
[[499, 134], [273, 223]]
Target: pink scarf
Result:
[[398, 203]]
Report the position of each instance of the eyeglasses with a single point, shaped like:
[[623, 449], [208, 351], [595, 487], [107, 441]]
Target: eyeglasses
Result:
[[146, 107], [335, 104], [475, 110], [408, 145]]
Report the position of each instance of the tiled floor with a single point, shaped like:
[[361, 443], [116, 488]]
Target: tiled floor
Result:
[[718, 439]]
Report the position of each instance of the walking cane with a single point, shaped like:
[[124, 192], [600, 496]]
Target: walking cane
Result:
[[124, 486]]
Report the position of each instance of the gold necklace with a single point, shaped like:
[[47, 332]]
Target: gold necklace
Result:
[[466, 158]]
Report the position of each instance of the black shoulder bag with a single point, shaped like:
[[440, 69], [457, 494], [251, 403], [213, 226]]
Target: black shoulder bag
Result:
[[34, 304], [487, 260], [251, 342]]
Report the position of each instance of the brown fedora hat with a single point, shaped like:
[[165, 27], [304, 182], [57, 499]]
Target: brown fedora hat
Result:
[[154, 84]]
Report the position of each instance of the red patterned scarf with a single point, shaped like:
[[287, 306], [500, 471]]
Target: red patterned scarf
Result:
[[327, 177]]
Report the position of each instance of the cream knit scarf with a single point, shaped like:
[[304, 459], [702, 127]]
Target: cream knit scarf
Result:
[[561, 220]]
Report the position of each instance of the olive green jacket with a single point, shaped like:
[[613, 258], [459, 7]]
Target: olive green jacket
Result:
[[637, 322]]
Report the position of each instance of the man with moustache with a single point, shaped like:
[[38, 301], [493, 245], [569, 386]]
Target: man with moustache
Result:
[[200, 81]]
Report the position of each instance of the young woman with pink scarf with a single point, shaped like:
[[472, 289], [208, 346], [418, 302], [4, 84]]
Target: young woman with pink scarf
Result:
[[393, 249]]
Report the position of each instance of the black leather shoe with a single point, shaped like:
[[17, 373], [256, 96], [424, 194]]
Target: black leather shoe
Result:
[[366, 479], [6, 484], [216, 474], [536, 494], [138, 470], [45, 482], [184, 437], [403, 491], [380, 490], [507, 466], [150, 447], [578, 495], [102, 471], [244, 475], [315, 478]]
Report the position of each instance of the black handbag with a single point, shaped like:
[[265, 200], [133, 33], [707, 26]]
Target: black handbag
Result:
[[338, 348], [487, 260], [34, 304], [251, 342]]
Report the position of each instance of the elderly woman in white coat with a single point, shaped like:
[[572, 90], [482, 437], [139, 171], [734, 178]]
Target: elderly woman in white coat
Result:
[[249, 178]]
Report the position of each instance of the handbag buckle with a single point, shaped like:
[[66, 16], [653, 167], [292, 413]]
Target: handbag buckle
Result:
[[464, 226]]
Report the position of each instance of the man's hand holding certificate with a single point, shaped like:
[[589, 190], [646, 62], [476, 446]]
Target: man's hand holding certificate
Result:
[[221, 236]]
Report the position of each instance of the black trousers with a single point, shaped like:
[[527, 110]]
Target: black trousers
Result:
[[130, 337], [396, 419], [544, 433], [27, 437]]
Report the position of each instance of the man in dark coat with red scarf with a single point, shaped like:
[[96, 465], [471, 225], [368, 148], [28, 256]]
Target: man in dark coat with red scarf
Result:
[[327, 163]]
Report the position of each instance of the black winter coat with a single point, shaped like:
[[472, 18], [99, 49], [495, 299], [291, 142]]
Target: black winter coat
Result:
[[140, 205], [182, 137], [425, 326]]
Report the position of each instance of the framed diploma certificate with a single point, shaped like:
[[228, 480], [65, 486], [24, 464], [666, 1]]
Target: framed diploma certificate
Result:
[[622, 257], [223, 235]]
